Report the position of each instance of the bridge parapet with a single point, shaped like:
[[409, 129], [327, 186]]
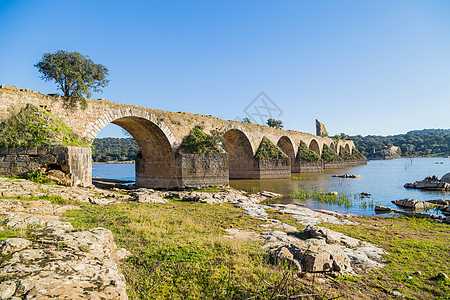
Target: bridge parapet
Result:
[[159, 133]]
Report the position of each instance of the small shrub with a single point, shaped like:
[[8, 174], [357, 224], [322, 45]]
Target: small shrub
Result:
[[356, 154], [197, 142], [37, 177], [267, 149], [344, 154], [33, 127], [306, 154], [328, 154]]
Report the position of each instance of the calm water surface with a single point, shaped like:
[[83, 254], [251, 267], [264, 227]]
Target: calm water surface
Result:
[[384, 179]]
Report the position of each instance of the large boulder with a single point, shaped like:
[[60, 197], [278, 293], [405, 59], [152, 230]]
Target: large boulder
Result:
[[411, 203], [431, 183], [314, 255]]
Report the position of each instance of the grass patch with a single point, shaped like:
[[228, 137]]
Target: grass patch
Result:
[[413, 245], [268, 150], [180, 251], [340, 199], [34, 126]]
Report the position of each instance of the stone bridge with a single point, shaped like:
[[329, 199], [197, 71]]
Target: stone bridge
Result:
[[160, 133]]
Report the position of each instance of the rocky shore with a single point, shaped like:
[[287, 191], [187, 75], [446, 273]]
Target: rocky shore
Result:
[[47, 258]]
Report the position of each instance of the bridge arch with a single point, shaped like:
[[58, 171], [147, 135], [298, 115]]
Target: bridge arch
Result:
[[334, 147], [287, 146], [240, 153], [314, 146], [348, 148], [156, 167]]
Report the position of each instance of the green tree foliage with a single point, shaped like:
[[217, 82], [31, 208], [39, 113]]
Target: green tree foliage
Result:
[[114, 149], [246, 120], [197, 142], [328, 154], [341, 136], [267, 149], [75, 74], [414, 143], [33, 127], [274, 123], [306, 154]]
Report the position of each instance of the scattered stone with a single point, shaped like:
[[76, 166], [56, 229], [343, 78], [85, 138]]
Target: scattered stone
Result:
[[431, 183], [331, 236], [411, 203], [7, 289], [314, 255], [409, 277], [347, 176], [11, 245], [439, 202], [417, 273], [395, 293], [143, 195], [102, 201], [442, 276], [382, 209]]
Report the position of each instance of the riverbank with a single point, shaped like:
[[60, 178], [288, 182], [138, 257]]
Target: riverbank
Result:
[[215, 245]]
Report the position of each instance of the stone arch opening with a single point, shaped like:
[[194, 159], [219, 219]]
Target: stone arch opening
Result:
[[314, 146], [334, 147], [287, 147], [155, 167], [348, 148], [240, 154]]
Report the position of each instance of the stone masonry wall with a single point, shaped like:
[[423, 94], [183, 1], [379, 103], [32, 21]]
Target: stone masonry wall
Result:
[[76, 162], [274, 168], [202, 170]]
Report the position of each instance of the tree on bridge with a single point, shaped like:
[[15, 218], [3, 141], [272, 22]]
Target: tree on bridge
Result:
[[275, 123], [75, 74]]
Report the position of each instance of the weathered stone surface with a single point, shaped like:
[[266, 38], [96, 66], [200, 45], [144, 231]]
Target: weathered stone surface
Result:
[[12, 188], [7, 289], [320, 129], [65, 165], [431, 183], [11, 245], [314, 255], [331, 236], [160, 133], [144, 195], [411, 203], [56, 261], [382, 209]]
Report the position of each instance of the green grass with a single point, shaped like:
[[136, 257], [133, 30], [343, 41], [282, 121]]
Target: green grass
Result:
[[33, 126], [180, 252], [268, 150], [413, 245], [341, 199]]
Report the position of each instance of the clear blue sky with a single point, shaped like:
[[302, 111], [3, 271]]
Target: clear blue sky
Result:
[[360, 67]]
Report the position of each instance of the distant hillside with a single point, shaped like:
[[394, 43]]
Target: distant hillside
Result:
[[426, 142], [114, 149]]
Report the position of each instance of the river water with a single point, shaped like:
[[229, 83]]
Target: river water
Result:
[[383, 179]]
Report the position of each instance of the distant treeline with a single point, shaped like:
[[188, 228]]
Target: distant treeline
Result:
[[114, 149], [426, 142]]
